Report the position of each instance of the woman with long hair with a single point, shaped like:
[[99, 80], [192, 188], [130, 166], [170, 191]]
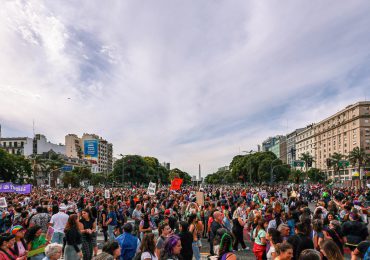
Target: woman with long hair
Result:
[[36, 240], [259, 237], [87, 228], [226, 248], [171, 249], [186, 241], [334, 232], [192, 221], [20, 244], [147, 247], [330, 250], [6, 245], [73, 239], [239, 221], [318, 236], [145, 226]]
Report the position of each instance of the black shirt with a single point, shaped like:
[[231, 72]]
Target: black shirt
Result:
[[300, 242], [73, 238]]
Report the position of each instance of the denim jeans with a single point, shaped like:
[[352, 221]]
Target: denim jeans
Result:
[[196, 251], [57, 238], [111, 232]]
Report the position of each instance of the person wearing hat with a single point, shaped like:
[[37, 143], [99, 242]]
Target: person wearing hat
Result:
[[58, 222], [20, 245]]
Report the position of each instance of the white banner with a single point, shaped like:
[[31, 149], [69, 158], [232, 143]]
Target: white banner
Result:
[[151, 188], [3, 203], [107, 194]]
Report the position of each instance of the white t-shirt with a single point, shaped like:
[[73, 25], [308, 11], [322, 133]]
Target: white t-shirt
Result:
[[147, 255], [59, 221], [269, 253]]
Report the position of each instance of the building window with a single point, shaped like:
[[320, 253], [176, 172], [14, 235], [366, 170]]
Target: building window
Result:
[[4, 144]]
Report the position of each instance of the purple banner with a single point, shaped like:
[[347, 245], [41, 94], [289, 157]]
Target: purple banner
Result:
[[10, 187]]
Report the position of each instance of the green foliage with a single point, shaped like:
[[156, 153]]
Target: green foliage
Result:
[[220, 177], [71, 178], [177, 173], [138, 169], [296, 176], [315, 175], [335, 158], [14, 168], [83, 173], [98, 178]]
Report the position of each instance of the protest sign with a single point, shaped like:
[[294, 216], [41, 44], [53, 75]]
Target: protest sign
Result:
[[3, 203], [151, 188], [91, 188], [200, 198], [20, 189], [106, 194]]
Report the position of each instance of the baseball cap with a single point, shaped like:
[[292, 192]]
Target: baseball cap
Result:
[[16, 229], [167, 212]]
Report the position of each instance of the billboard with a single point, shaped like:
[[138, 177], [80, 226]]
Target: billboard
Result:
[[91, 148]]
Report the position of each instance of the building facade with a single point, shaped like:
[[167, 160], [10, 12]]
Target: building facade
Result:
[[305, 142], [17, 145], [270, 142], [291, 145], [28, 146], [341, 133], [93, 148]]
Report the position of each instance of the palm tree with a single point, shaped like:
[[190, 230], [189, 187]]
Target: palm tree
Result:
[[358, 156], [335, 159], [306, 157], [38, 166]]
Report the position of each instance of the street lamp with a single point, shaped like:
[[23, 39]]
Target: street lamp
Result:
[[123, 168]]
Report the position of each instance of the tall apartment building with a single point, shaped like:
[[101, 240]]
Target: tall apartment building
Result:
[[341, 132], [93, 148], [291, 144], [305, 142]]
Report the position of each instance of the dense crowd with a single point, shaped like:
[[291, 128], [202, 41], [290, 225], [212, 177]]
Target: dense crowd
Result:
[[279, 223]]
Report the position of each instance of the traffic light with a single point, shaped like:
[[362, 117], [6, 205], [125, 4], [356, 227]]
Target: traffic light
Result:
[[309, 162], [292, 152], [328, 162]]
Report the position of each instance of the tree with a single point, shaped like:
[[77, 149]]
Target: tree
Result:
[[358, 157], [71, 178], [14, 167], [83, 173], [296, 176], [177, 173], [315, 175], [98, 178], [308, 159], [335, 159]]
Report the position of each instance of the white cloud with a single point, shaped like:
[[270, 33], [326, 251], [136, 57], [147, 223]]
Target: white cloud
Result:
[[188, 82]]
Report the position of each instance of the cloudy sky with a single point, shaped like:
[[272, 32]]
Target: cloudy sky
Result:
[[189, 82]]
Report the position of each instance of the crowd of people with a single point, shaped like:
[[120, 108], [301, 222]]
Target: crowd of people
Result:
[[278, 222]]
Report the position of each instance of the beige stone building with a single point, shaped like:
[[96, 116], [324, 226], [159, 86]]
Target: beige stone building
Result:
[[341, 132], [305, 142]]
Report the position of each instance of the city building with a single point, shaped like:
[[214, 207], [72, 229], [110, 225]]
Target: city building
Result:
[[341, 133], [42, 145], [92, 148], [305, 142], [270, 142], [27, 146], [17, 145], [291, 145], [279, 148]]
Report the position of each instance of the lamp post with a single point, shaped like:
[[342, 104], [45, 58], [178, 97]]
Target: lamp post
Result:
[[123, 168]]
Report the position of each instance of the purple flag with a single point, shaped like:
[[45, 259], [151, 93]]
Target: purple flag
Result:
[[10, 187]]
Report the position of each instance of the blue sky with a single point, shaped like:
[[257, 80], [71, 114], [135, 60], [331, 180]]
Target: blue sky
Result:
[[188, 82]]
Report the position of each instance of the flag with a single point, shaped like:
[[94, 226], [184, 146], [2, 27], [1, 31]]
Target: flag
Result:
[[176, 184]]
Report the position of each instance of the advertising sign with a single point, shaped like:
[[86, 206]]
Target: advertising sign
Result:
[[91, 148]]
